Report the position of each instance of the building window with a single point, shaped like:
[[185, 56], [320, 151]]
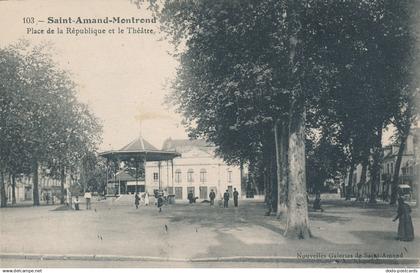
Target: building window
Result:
[[229, 176], [156, 177], [190, 175], [178, 176], [203, 175], [392, 168]]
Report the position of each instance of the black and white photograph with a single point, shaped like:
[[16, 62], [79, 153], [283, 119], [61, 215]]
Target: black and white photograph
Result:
[[209, 134]]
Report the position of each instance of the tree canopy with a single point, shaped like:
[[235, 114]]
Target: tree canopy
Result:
[[337, 67], [41, 121]]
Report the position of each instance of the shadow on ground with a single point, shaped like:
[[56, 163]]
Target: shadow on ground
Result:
[[372, 237], [323, 216]]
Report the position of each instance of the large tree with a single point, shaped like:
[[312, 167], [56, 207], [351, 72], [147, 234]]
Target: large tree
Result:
[[248, 70], [363, 57], [42, 123], [240, 75]]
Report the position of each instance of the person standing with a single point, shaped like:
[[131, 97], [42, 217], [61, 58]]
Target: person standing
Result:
[[190, 197], [137, 200], [226, 199], [88, 196], [212, 196], [76, 203], [160, 202], [68, 199], [235, 197], [405, 224], [146, 199], [47, 197]]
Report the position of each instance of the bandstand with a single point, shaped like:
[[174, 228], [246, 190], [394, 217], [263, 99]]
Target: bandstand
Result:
[[126, 170]]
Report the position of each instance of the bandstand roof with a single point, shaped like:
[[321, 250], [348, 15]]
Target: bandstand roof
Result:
[[139, 148]]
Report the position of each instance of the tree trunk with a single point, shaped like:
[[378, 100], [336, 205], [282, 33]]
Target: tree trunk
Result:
[[63, 181], [266, 166], [241, 171], [35, 191], [362, 176], [13, 189], [297, 208], [3, 196], [376, 166], [281, 140], [396, 176], [250, 181], [349, 190], [266, 189], [297, 214], [273, 182]]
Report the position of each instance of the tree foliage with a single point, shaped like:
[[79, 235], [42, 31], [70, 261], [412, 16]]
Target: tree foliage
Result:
[[337, 67], [41, 121]]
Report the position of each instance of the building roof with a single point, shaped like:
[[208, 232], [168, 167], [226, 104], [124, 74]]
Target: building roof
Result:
[[139, 144], [390, 152], [140, 148], [185, 145]]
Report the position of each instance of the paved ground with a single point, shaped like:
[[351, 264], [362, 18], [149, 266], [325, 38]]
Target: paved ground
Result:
[[185, 232]]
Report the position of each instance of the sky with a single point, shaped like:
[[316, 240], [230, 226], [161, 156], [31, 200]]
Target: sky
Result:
[[119, 76]]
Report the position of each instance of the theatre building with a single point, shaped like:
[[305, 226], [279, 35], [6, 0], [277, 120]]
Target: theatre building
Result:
[[180, 167], [197, 170]]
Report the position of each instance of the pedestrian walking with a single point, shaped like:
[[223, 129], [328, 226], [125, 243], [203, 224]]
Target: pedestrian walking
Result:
[[405, 225], [137, 200], [160, 203], [76, 203], [226, 199], [235, 197], [212, 196], [88, 197]]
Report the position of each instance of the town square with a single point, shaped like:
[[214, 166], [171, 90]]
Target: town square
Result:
[[114, 233], [201, 134]]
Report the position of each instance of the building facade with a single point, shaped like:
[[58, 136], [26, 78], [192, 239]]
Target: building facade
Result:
[[408, 173], [24, 188], [197, 170]]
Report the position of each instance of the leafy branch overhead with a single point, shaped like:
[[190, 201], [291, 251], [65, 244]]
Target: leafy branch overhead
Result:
[[339, 68]]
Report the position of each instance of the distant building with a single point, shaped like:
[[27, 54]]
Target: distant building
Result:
[[409, 169], [197, 169], [24, 187]]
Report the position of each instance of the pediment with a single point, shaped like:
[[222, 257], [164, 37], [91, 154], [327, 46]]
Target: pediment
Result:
[[197, 152]]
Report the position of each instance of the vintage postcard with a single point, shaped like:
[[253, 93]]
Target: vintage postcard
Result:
[[209, 134]]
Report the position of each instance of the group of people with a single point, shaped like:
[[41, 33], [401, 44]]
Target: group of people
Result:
[[141, 199], [191, 198], [49, 197], [76, 201], [226, 197]]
